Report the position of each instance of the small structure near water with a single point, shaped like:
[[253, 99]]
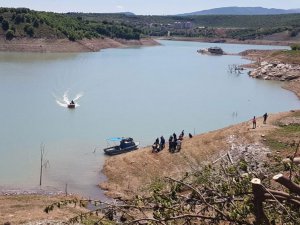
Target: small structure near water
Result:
[[212, 51]]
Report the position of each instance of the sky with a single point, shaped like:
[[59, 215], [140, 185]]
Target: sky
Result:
[[143, 7]]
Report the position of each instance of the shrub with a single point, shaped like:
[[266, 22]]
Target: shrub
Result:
[[28, 18], [29, 30], [72, 36], [13, 28], [9, 35], [5, 25], [22, 10], [295, 47], [19, 19], [294, 33], [36, 23]]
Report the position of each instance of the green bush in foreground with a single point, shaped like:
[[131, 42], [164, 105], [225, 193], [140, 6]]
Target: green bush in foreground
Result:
[[215, 194]]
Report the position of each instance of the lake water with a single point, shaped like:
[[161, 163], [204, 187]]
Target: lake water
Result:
[[139, 92]]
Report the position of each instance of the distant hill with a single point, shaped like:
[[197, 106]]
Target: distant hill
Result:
[[242, 11], [127, 13]]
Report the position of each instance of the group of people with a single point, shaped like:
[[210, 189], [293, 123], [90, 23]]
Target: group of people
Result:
[[174, 143], [265, 116], [158, 146]]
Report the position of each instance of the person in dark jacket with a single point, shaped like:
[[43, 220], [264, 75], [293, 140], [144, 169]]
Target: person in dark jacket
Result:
[[162, 142], [174, 137], [170, 143], [156, 141], [254, 122], [182, 133], [265, 117]]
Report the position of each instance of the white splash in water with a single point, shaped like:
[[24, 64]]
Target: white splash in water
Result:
[[65, 101], [78, 96]]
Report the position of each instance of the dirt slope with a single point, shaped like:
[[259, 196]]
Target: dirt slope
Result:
[[20, 209], [64, 45], [128, 174]]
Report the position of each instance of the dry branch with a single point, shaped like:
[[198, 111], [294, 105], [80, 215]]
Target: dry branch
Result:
[[294, 188]]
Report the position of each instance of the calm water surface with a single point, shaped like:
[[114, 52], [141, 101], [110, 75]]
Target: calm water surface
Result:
[[140, 92]]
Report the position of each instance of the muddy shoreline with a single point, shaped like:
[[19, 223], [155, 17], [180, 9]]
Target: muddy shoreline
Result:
[[94, 45], [66, 46]]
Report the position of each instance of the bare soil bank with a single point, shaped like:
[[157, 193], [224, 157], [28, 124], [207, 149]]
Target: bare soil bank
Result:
[[64, 45], [130, 174], [29, 208], [235, 41]]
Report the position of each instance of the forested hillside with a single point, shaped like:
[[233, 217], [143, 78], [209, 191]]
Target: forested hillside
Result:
[[23, 22], [224, 26], [237, 21]]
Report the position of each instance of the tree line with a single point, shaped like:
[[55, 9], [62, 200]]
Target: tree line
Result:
[[23, 22], [242, 27]]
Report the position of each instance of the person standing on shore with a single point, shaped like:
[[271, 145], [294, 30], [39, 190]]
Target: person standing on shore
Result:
[[162, 142], [174, 137], [254, 122], [171, 143], [265, 118]]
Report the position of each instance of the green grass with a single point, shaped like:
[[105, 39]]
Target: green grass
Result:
[[275, 144], [284, 138]]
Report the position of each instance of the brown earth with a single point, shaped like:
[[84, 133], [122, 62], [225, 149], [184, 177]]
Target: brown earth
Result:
[[293, 86], [129, 174], [64, 45], [24, 208]]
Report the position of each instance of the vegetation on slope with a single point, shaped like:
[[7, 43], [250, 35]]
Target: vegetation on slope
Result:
[[232, 26], [23, 22]]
